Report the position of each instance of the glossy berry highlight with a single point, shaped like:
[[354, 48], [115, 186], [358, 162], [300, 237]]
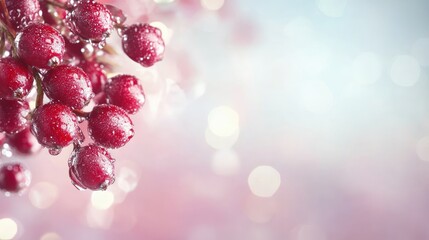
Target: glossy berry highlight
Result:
[[16, 79], [143, 44], [110, 126], [68, 85], [40, 45], [55, 126], [91, 167], [126, 92], [22, 12], [91, 20]]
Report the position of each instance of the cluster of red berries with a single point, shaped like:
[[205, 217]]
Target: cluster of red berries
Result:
[[53, 48]]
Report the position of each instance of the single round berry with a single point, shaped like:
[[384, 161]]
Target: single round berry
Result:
[[40, 45], [143, 44], [68, 85], [14, 177], [91, 167], [126, 92], [55, 125], [91, 20], [110, 126], [24, 142], [95, 74], [13, 115], [22, 12], [16, 79]]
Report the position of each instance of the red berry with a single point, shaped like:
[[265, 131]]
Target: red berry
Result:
[[40, 45], [14, 177], [95, 74], [74, 52], [22, 12], [51, 14], [13, 115], [110, 126], [68, 85], [91, 20], [24, 142], [16, 79], [143, 44], [126, 92], [55, 125], [91, 167]]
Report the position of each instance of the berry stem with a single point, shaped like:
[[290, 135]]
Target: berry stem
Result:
[[81, 113], [39, 97], [6, 20]]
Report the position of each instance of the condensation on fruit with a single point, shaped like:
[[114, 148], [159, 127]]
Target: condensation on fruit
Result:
[[49, 111]]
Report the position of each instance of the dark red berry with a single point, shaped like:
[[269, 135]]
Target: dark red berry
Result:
[[24, 142], [91, 167], [40, 45], [110, 126], [55, 125], [100, 98], [52, 15], [143, 44], [14, 177], [68, 85], [126, 92], [16, 79], [22, 12], [13, 115], [91, 20], [95, 74], [74, 52]]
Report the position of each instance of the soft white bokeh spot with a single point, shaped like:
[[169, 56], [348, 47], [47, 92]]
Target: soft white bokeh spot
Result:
[[367, 68], [223, 121], [405, 71], [102, 200], [264, 181], [8, 228]]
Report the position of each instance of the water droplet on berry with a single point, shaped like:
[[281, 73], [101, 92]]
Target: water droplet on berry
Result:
[[55, 151], [118, 16], [76, 183]]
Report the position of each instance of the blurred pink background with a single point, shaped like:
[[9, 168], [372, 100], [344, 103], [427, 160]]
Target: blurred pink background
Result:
[[267, 120]]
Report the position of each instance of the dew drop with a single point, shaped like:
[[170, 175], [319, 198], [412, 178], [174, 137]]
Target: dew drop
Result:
[[54, 151], [75, 181]]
